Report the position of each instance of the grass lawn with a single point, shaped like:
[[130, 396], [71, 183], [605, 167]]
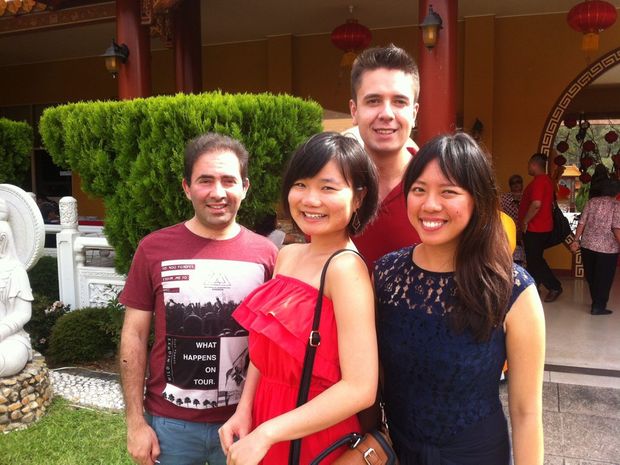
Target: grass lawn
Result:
[[68, 436]]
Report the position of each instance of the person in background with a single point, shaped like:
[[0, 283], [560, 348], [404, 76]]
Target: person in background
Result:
[[598, 236], [450, 310], [330, 192], [385, 86], [600, 177], [190, 277], [268, 227], [536, 222], [509, 203], [49, 210]]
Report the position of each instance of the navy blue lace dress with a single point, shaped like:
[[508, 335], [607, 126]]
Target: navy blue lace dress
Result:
[[441, 389]]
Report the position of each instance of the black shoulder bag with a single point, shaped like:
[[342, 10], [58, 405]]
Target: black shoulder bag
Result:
[[358, 443], [561, 228]]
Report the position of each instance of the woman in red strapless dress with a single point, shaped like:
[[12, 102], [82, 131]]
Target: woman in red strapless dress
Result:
[[330, 192]]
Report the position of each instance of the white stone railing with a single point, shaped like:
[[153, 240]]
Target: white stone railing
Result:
[[81, 285]]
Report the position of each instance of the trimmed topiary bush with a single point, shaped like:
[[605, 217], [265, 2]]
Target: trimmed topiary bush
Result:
[[79, 336], [15, 150], [130, 153]]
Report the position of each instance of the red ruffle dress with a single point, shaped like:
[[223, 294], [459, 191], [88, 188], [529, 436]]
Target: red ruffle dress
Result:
[[278, 316]]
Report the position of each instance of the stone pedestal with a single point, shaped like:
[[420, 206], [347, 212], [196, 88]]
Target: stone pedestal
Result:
[[24, 397]]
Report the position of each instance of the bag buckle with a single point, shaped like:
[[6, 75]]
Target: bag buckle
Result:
[[369, 455], [315, 339]]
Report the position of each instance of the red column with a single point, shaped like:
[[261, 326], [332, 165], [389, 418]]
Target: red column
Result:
[[188, 47], [437, 112], [134, 77]]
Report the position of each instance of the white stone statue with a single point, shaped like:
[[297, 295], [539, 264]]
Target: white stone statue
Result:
[[15, 302], [21, 241]]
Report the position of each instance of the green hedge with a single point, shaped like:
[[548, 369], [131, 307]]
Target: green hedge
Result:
[[130, 153], [81, 336], [15, 150]]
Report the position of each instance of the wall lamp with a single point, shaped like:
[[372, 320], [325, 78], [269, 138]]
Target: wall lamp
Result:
[[114, 56], [430, 28]]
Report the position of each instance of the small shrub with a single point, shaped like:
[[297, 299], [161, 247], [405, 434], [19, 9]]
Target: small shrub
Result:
[[112, 321], [44, 278], [15, 149], [79, 336], [45, 314]]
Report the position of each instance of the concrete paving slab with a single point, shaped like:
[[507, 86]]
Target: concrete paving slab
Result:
[[551, 401], [590, 437], [553, 433], [585, 380], [599, 401], [586, 462], [554, 460]]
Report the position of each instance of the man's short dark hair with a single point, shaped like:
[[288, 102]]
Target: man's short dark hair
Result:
[[390, 57], [540, 159], [213, 142]]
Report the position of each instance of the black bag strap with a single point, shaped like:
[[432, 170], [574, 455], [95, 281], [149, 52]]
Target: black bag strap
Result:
[[350, 440], [314, 339]]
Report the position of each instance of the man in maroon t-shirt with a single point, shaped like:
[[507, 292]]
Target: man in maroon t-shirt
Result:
[[190, 277], [535, 216], [384, 92]]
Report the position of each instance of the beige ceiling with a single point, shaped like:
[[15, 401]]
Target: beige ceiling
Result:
[[226, 21]]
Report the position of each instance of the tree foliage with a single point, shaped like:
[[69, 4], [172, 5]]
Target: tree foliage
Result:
[[15, 150], [130, 153]]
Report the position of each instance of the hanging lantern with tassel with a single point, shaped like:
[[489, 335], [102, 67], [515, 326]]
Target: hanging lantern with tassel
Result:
[[590, 17], [351, 37]]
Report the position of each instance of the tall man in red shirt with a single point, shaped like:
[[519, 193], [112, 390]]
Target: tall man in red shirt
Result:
[[384, 93], [535, 216]]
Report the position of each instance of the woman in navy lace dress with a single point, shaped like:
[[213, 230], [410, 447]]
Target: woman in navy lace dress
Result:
[[450, 312]]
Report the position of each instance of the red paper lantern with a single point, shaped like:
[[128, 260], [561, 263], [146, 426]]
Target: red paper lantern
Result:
[[560, 160], [351, 36], [611, 137], [586, 162], [585, 178], [563, 192], [589, 146], [591, 17], [562, 146], [570, 123]]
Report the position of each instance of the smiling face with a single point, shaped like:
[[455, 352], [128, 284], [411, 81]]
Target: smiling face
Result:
[[323, 204], [385, 110], [216, 191], [437, 208]]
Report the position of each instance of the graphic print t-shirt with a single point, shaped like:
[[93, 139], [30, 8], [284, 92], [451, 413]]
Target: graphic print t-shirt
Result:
[[199, 359]]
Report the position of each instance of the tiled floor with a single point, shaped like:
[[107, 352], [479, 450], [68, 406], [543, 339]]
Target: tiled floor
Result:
[[581, 399], [577, 339], [581, 424]]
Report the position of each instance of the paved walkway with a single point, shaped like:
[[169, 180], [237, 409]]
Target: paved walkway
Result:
[[582, 423]]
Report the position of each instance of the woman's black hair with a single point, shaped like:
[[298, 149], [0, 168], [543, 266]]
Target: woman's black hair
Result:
[[355, 165], [483, 261]]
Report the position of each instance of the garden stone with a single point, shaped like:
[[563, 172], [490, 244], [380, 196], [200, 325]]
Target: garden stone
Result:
[[26, 405]]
